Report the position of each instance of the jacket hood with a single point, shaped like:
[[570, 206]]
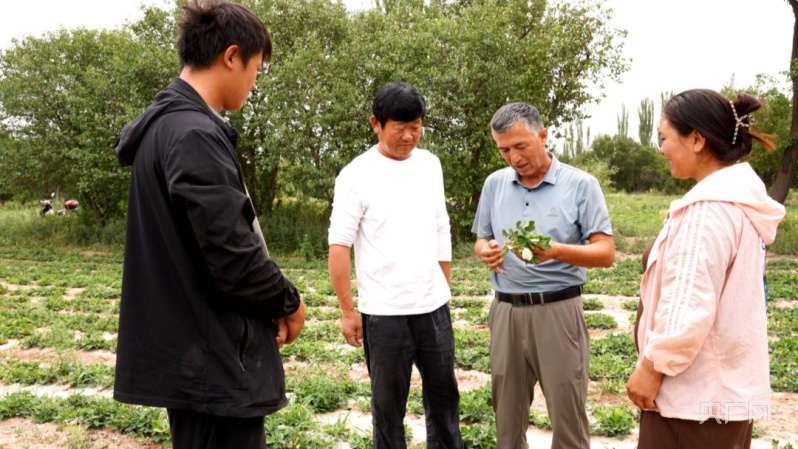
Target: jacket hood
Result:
[[739, 184], [178, 96]]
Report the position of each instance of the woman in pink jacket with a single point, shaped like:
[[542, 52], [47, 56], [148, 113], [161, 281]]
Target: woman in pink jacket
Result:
[[702, 373]]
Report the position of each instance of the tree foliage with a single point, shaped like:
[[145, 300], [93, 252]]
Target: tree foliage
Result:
[[645, 115], [773, 119], [577, 140], [65, 96], [470, 58], [7, 189], [636, 168], [785, 175], [623, 121]]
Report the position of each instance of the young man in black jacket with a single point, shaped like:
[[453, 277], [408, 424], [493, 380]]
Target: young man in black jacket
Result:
[[203, 308]]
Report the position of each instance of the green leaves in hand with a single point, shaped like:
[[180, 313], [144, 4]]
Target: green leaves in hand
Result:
[[522, 240]]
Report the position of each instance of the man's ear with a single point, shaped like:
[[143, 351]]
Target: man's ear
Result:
[[229, 56], [375, 124]]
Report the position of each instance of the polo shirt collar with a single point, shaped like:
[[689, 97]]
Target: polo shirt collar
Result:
[[551, 175]]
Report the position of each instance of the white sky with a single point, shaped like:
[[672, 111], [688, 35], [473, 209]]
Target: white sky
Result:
[[685, 44], [674, 45]]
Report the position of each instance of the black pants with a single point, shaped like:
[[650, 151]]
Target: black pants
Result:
[[192, 430], [392, 344]]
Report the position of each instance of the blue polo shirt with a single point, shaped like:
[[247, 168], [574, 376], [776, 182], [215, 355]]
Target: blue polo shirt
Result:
[[567, 206]]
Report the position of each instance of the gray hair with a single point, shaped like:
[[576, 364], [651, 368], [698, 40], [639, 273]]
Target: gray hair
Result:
[[510, 114]]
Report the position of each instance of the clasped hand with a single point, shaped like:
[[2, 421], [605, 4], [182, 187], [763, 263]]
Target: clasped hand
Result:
[[289, 327]]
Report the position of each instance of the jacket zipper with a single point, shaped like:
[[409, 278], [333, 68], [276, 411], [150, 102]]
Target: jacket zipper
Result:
[[242, 345]]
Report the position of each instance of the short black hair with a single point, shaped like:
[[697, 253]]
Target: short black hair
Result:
[[398, 101], [208, 27]]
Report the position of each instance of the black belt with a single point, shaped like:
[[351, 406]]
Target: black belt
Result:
[[528, 299]]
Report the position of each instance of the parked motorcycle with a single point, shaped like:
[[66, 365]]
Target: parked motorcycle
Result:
[[69, 207], [47, 206]]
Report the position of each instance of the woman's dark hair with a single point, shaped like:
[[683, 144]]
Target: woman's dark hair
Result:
[[725, 125], [398, 101], [207, 28]]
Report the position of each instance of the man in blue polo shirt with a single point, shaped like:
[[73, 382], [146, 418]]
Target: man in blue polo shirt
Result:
[[537, 327]]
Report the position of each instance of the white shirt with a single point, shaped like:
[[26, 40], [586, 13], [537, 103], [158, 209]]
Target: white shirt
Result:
[[394, 214]]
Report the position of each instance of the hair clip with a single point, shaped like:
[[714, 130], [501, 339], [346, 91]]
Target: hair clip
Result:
[[738, 122]]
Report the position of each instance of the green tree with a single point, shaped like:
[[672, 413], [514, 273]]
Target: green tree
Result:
[[6, 170], [309, 115], [645, 127], [637, 168], [623, 121], [589, 162], [65, 97], [773, 119], [785, 175], [665, 96], [576, 142], [469, 58]]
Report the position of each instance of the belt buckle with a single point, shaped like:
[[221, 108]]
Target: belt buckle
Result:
[[530, 298]]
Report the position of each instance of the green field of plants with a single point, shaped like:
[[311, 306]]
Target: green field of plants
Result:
[[59, 299]]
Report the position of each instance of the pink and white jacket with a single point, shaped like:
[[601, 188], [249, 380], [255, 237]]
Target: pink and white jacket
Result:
[[704, 323]]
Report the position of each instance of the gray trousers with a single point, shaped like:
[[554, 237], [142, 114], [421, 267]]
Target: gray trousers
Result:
[[541, 343]]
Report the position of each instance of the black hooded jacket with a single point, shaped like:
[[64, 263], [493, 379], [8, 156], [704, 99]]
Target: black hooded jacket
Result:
[[198, 292]]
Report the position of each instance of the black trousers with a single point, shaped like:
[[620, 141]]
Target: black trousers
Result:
[[193, 430], [392, 345]]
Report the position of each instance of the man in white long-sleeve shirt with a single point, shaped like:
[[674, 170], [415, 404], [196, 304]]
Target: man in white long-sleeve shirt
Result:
[[389, 204]]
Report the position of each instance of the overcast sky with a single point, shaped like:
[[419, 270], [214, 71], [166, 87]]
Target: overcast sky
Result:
[[674, 45]]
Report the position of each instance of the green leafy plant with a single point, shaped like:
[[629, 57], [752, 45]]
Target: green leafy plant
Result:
[[630, 305], [475, 405], [592, 304], [612, 357], [415, 401], [540, 419], [523, 240], [322, 392], [613, 420], [783, 364], [361, 441], [479, 436], [600, 321]]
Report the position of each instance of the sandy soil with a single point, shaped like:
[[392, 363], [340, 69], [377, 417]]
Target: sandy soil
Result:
[[19, 433]]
